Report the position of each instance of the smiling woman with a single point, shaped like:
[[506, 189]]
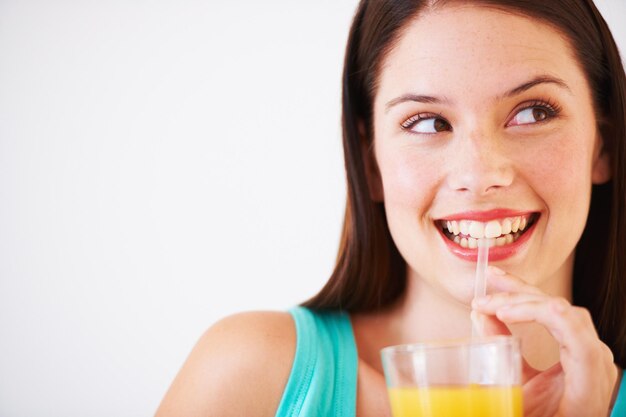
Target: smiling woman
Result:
[[463, 120], [474, 156]]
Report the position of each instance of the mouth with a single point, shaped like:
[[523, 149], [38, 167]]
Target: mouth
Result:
[[505, 235]]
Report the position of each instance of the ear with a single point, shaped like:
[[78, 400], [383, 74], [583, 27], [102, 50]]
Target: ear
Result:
[[372, 174], [601, 169]]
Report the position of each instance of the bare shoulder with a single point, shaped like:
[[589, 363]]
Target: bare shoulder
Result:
[[240, 366]]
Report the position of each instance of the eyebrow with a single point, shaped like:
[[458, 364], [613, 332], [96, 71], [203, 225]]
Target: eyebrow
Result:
[[418, 98], [542, 79]]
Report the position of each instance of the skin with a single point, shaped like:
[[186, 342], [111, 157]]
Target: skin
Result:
[[492, 155], [486, 160]]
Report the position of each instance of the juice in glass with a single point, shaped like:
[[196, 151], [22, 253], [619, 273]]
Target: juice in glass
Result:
[[478, 377], [469, 401]]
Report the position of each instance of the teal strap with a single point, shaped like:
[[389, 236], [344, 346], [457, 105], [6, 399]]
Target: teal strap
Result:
[[302, 368], [324, 371], [619, 408]]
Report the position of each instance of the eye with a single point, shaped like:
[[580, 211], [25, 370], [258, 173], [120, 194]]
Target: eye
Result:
[[534, 113], [426, 124]]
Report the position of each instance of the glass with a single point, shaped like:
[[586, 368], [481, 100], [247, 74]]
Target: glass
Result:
[[464, 378]]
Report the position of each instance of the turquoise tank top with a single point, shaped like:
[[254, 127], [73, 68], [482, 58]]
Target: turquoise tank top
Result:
[[324, 372], [619, 408], [323, 376]]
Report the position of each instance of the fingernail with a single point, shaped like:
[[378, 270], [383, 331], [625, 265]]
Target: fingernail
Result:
[[495, 270]]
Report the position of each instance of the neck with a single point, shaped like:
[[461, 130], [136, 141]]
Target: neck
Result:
[[446, 318], [427, 313]]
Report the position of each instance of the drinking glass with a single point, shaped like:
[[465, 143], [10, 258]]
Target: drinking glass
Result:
[[478, 377]]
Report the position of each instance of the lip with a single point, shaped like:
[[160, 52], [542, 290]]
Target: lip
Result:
[[484, 216], [496, 253]]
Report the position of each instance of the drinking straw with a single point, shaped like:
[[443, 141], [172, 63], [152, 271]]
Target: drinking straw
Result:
[[480, 283]]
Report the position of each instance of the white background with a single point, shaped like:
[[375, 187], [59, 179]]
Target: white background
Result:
[[162, 164]]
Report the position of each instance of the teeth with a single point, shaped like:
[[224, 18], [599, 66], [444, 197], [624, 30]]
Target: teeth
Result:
[[477, 230], [493, 229], [515, 224], [464, 226], [497, 232], [506, 226], [455, 227]]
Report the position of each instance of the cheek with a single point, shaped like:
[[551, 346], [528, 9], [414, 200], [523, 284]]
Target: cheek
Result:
[[561, 167], [408, 179], [560, 175]]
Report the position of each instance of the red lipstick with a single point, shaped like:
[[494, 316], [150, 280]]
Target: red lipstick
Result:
[[496, 253], [485, 216]]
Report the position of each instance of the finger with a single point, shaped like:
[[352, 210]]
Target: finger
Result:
[[586, 361], [490, 303], [488, 325], [572, 327], [544, 387], [491, 326], [501, 281], [484, 326]]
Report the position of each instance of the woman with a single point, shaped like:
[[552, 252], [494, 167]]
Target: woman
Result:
[[458, 116]]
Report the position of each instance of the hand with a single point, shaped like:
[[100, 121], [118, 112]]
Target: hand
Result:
[[582, 383]]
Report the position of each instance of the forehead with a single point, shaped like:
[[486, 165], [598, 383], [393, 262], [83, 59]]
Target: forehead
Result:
[[470, 49]]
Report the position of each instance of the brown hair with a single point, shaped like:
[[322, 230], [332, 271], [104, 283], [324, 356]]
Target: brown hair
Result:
[[370, 272]]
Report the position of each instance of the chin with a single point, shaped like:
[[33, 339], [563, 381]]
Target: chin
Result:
[[464, 297], [461, 293]]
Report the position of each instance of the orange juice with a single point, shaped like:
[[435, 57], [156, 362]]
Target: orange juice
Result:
[[468, 401]]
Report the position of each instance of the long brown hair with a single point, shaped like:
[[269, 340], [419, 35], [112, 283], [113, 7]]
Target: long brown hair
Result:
[[370, 272]]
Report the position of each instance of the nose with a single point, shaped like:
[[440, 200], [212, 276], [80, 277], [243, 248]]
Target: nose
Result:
[[479, 165]]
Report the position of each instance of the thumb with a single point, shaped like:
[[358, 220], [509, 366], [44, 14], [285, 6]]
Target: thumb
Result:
[[486, 325]]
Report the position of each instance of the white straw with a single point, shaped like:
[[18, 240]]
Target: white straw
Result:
[[480, 283]]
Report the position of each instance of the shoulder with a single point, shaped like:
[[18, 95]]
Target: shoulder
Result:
[[240, 366], [269, 328]]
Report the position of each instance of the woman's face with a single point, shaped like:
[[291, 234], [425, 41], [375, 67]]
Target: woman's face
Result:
[[484, 125]]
